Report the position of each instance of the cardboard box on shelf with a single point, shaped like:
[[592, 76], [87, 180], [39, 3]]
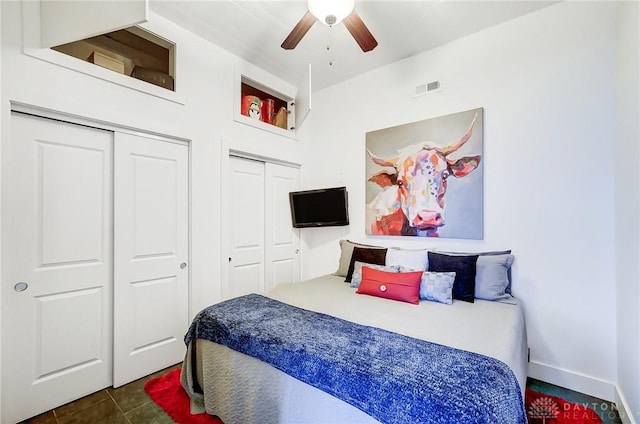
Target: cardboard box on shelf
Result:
[[154, 77], [105, 61], [281, 118]]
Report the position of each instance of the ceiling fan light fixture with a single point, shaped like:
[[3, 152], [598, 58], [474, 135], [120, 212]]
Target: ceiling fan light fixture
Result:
[[331, 12]]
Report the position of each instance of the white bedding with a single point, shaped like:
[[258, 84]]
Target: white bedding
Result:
[[242, 389]]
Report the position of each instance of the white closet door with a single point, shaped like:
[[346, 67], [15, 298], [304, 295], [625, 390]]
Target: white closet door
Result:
[[56, 286], [245, 223], [151, 283], [282, 241]]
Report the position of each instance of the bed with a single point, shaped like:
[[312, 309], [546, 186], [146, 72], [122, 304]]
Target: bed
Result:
[[240, 388]]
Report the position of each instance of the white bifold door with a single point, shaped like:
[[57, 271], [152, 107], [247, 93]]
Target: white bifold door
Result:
[[89, 298], [263, 246]]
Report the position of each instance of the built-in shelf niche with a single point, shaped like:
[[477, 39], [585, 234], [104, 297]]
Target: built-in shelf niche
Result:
[[293, 102], [131, 51], [277, 115]]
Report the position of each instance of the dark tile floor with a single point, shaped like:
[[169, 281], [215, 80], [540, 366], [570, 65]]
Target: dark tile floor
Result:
[[130, 404]]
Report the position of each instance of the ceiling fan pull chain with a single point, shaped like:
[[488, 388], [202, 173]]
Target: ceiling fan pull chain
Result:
[[329, 47]]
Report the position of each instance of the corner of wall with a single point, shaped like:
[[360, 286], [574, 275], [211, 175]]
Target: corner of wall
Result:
[[2, 112], [625, 412], [627, 205]]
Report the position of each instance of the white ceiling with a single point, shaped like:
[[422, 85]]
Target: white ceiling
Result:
[[254, 30]]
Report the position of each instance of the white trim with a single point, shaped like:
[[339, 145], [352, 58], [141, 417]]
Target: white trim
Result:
[[592, 386], [95, 123], [261, 158], [626, 414], [224, 213]]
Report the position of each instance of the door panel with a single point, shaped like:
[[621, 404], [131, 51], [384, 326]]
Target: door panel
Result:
[[155, 217], [67, 206], [57, 332], [151, 278], [61, 310], [246, 215], [282, 240]]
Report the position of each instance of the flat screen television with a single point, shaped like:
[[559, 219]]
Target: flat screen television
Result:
[[325, 207]]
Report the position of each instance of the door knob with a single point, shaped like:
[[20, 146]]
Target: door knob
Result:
[[20, 287], [183, 265]]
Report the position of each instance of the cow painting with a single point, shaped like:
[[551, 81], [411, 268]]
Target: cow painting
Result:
[[411, 200]]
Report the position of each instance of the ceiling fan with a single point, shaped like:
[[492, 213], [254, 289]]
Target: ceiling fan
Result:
[[331, 13]]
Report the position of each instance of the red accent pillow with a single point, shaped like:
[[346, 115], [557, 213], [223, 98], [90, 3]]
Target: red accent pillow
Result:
[[402, 286]]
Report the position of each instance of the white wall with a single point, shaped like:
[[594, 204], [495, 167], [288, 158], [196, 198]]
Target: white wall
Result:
[[627, 197], [546, 82], [1, 126]]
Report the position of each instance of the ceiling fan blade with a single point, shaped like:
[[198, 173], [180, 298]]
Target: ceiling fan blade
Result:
[[298, 31], [360, 32]]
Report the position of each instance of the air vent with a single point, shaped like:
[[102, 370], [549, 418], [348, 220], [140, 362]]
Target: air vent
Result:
[[426, 88], [421, 90]]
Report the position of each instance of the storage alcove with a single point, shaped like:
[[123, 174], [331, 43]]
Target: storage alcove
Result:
[[118, 36], [268, 103], [131, 51]]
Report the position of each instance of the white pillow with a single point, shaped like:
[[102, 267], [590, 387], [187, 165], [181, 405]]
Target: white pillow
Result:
[[416, 260]]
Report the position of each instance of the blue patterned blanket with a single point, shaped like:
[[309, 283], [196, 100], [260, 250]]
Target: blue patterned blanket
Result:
[[393, 378]]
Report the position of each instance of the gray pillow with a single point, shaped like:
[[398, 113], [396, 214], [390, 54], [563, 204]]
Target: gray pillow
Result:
[[437, 286], [494, 273], [356, 277], [492, 276], [346, 250]]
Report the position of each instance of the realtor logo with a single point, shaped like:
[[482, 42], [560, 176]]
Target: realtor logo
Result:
[[544, 408]]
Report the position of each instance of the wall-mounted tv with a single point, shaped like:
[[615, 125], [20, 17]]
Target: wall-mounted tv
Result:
[[325, 207]]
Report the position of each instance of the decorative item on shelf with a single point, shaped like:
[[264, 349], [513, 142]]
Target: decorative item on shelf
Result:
[[251, 107], [281, 118], [105, 61], [268, 111], [152, 76]]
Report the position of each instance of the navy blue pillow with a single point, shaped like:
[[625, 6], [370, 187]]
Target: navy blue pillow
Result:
[[464, 285]]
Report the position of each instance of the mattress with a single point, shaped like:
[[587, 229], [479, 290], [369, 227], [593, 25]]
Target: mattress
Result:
[[241, 389]]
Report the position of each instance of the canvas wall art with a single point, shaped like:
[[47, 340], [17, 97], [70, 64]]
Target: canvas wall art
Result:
[[425, 178]]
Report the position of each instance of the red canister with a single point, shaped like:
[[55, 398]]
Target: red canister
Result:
[[251, 107], [268, 111]]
